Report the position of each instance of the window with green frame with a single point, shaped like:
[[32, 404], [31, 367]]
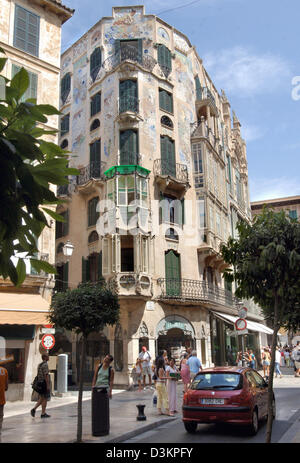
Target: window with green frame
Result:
[[65, 87], [293, 214], [128, 95], [26, 31], [95, 63], [95, 104], [65, 125], [31, 92], [93, 215], [165, 100], [129, 147], [164, 59], [62, 228]]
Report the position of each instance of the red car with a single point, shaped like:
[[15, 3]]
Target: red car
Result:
[[226, 395]]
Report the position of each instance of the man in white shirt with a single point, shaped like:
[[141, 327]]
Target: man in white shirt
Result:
[[146, 368], [296, 358]]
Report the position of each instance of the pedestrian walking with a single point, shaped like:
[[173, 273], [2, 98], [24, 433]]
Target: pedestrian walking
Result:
[[138, 373], [296, 358], [3, 389], [251, 358], [146, 365], [162, 395], [194, 365], [277, 362], [239, 359], [185, 372], [266, 359], [171, 372], [104, 375], [43, 387], [287, 357]]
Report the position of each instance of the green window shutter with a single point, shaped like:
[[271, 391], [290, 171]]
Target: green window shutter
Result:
[[95, 63], [293, 214], [95, 104], [118, 49], [65, 125], [100, 265], [198, 88], [182, 212], [65, 276], [31, 91], [173, 273], [165, 100], [168, 164], [65, 87], [66, 223], [128, 96], [128, 147], [164, 58], [140, 50], [26, 31], [95, 159]]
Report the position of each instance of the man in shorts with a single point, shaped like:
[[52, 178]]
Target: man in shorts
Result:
[[146, 368]]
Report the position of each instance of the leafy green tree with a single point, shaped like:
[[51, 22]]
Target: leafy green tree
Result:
[[265, 262], [28, 166], [84, 310]]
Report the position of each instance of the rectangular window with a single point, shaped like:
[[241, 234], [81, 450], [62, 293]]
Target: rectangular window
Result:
[[95, 159], [165, 100], [31, 91], [164, 59], [293, 214], [128, 96], [201, 212], [198, 165], [65, 125], [129, 147], [95, 104], [26, 31], [62, 228], [93, 215], [198, 88], [127, 254]]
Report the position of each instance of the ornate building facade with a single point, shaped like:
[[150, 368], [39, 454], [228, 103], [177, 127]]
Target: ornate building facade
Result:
[[163, 180], [30, 35]]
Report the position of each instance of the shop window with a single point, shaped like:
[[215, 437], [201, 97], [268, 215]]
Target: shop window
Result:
[[127, 253], [13, 359]]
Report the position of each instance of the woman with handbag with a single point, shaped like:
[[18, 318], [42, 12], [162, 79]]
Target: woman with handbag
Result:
[[41, 385]]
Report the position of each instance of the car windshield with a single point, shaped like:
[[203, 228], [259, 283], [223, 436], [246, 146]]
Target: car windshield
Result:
[[221, 381]]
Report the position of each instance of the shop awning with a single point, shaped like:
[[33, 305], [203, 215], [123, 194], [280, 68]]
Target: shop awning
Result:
[[252, 326], [23, 309]]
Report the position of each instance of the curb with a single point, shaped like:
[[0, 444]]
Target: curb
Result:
[[293, 432], [136, 432]]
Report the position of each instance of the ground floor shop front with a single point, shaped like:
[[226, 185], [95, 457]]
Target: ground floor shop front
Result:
[[159, 326]]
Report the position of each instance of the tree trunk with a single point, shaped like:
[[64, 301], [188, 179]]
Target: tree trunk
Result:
[[271, 374], [79, 406]]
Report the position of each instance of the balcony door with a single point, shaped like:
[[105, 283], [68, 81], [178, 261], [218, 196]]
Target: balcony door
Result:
[[128, 147], [95, 159], [173, 273], [128, 94], [167, 153]]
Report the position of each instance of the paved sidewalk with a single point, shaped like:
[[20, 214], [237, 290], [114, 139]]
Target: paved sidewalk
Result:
[[20, 427]]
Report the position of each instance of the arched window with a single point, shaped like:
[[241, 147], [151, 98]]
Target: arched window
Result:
[[93, 237], [172, 234], [165, 120], [65, 87], [95, 124], [95, 63], [64, 144]]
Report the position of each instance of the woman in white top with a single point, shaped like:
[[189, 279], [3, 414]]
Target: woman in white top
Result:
[[172, 386]]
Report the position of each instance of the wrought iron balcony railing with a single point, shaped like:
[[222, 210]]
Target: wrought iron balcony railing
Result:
[[128, 103], [94, 170], [129, 53], [194, 290], [177, 171], [206, 94]]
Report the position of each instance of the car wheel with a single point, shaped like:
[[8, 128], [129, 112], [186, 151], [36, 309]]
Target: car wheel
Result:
[[190, 426], [254, 424]]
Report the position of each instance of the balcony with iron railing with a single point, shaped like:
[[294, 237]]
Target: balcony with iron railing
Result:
[[131, 54], [89, 174], [205, 97], [172, 176], [129, 158], [194, 291], [128, 103]]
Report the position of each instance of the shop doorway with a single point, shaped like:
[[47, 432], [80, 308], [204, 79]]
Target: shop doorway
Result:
[[175, 342]]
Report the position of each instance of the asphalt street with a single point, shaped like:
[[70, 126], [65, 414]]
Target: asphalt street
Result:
[[287, 404]]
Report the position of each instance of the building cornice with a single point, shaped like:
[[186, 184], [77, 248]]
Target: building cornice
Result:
[[16, 53]]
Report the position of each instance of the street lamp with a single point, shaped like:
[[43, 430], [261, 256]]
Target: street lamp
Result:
[[68, 249]]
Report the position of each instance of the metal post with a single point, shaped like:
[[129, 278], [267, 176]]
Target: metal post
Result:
[[243, 346], [62, 373]]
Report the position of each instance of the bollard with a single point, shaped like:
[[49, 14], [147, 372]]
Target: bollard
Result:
[[141, 416], [62, 373]]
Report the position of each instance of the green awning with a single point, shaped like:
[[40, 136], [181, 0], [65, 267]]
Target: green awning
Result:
[[125, 170]]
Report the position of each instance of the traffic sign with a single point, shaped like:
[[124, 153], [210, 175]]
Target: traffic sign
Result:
[[240, 324], [48, 341], [48, 330]]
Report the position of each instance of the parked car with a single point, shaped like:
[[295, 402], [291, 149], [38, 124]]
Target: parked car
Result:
[[226, 395]]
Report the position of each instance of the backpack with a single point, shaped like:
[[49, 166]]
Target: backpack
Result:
[[109, 371]]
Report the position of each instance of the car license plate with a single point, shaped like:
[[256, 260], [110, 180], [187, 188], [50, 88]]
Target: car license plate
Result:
[[212, 401]]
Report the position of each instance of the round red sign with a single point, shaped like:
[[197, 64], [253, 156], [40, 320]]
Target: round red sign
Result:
[[48, 341], [241, 324]]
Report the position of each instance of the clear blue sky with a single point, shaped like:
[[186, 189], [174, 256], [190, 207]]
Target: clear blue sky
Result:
[[251, 50]]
